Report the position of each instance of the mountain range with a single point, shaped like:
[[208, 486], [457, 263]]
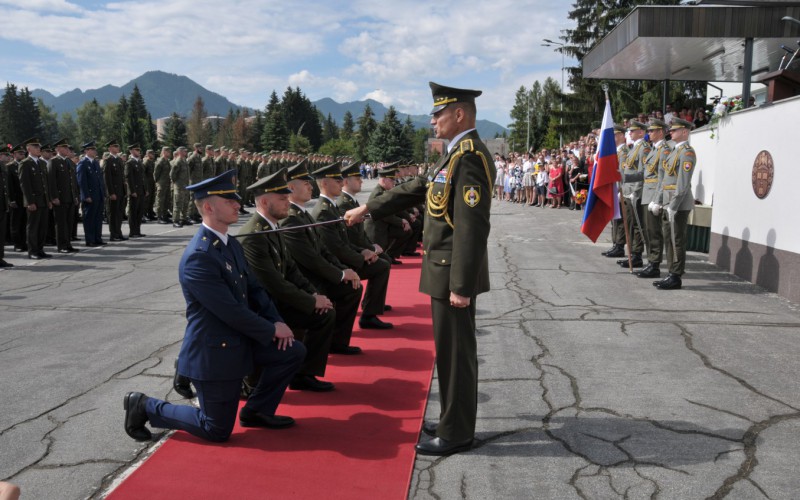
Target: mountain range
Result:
[[167, 93]]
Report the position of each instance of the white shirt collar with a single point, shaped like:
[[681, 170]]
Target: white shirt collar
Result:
[[271, 225], [680, 144], [457, 138], [223, 237]]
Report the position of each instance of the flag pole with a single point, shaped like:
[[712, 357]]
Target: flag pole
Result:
[[620, 200]]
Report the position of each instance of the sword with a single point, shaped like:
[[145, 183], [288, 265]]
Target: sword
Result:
[[671, 219], [636, 216], [294, 228]]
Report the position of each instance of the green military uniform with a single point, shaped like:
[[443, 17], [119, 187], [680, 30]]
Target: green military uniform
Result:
[[34, 185], [387, 231], [114, 176], [195, 167], [64, 187], [179, 175], [208, 163], [137, 192], [149, 165], [617, 225], [632, 195], [675, 196], [221, 162], [458, 197], [356, 232], [4, 203], [161, 179], [19, 218]]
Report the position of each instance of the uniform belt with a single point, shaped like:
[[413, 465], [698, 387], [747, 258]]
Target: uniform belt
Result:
[[670, 187], [650, 181]]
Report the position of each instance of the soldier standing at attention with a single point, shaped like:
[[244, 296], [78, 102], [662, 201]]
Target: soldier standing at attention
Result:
[[221, 162], [19, 217], [92, 193], [617, 227], [632, 192], [64, 195], [455, 263], [4, 159], [149, 164], [137, 193], [179, 175], [208, 162], [195, 163], [35, 198], [676, 201], [114, 173], [161, 180]]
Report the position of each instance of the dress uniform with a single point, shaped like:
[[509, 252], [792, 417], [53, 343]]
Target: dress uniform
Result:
[[387, 231], [4, 203], [137, 191], [149, 164], [161, 179], [35, 198], [18, 219], [617, 226], [675, 201], [293, 293], [319, 265], [92, 194], [649, 175], [195, 170], [632, 193], [455, 263], [335, 239], [64, 188], [114, 174], [347, 201], [232, 326]]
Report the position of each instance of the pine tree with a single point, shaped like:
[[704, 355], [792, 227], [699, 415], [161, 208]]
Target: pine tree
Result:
[[9, 110], [366, 125], [255, 131], [275, 136], [175, 132], [196, 130], [386, 142], [301, 117], [133, 129], [330, 130], [407, 136], [68, 128], [28, 120], [49, 123], [347, 126], [90, 121]]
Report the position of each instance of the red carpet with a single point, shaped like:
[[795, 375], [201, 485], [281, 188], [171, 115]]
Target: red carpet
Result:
[[355, 442]]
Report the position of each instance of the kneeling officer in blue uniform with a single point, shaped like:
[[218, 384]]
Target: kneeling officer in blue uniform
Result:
[[232, 326]]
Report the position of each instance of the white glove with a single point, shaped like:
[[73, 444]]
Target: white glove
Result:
[[671, 213], [654, 208], [632, 197]]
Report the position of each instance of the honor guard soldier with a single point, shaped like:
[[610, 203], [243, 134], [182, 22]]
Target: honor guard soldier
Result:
[[149, 164], [137, 191], [179, 175], [362, 260], [232, 326], [309, 313], [161, 179], [92, 194], [632, 192], [221, 161], [35, 198], [328, 275], [114, 174], [455, 262], [19, 214], [64, 195], [675, 201], [391, 231], [652, 224], [617, 227], [5, 157]]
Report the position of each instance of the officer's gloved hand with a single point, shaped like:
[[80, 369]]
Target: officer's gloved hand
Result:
[[654, 208], [632, 197]]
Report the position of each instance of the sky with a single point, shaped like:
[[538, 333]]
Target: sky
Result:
[[244, 49]]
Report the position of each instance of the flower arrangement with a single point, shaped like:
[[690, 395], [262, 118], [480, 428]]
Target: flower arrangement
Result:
[[580, 197], [722, 107]]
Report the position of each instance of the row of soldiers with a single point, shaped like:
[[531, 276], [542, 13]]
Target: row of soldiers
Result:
[[658, 199], [314, 264]]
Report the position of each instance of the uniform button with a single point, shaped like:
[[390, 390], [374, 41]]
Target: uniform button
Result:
[[444, 261], [224, 344]]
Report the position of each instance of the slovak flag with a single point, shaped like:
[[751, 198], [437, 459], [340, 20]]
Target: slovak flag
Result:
[[602, 203]]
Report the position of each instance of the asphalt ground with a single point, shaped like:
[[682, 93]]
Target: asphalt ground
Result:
[[593, 384]]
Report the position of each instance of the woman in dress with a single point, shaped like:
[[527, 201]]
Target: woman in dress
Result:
[[500, 179], [555, 189]]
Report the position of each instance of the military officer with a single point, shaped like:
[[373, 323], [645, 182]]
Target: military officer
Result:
[[308, 312], [137, 190], [347, 200], [64, 195], [149, 164], [652, 224], [195, 167], [35, 198], [5, 157], [329, 275], [617, 226], [19, 216], [92, 194], [455, 264], [391, 232], [114, 174], [675, 201], [179, 176], [161, 179], [233, 325], [632, 192], [363, 260]]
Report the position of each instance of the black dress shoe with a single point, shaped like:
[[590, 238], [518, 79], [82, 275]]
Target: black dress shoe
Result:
[[136, 416], [616, 252], [440, 447], [187, 222], [429, 428], [3, 263], [672, 282], [34, 256], [373, 323], [138, 235], [177, 224], [636, 261], [651, 271], [250, 418], [613, 248], [387, 308], [309, 383], [181, 384], [90, 245], [345, 349], [162, 221], [411, 254], [44, 255], [102, 243]]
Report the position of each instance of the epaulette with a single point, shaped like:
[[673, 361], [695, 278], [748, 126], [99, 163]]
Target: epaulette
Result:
[[466, 146], [689, 151], [204, 243]]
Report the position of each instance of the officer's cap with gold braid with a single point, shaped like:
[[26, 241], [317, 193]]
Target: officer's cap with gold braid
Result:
[[656, 124], [679, 123], [352, 170], [275, 183], [634, 125], [389, 173], [620, 129], [223, 185], [332, 171], [299, 171], [442, 96]]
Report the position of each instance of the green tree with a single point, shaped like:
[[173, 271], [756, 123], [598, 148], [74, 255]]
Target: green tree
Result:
[[330, 130], [348, 126], [28, 120], [135, 113], [407, 136], [420, 143], [67, 127], [338, 147], [366, 125], [300, 144], [386, 142], [175, 131], [196, 124], [255, 131], [275, 136], [49, 123], [301, 117], [9, 110], [90, 121]]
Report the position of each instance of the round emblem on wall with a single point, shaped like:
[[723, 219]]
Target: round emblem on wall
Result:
[[763, 174]]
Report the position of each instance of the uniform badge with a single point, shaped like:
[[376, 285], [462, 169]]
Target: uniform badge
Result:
[[472, 195], [687, 166], [228, 267]]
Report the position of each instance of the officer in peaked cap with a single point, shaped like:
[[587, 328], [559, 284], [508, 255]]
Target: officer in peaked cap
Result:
[[455, 264], [33, 182], [114, 174], [5, 156], [137, 190], [233, 325], [92, 195], [64, 194], [19, 219], [632, 192], [617, 227], [391, 232]]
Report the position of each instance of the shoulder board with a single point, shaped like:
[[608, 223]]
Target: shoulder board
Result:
[[203, 244], [466, 146]]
